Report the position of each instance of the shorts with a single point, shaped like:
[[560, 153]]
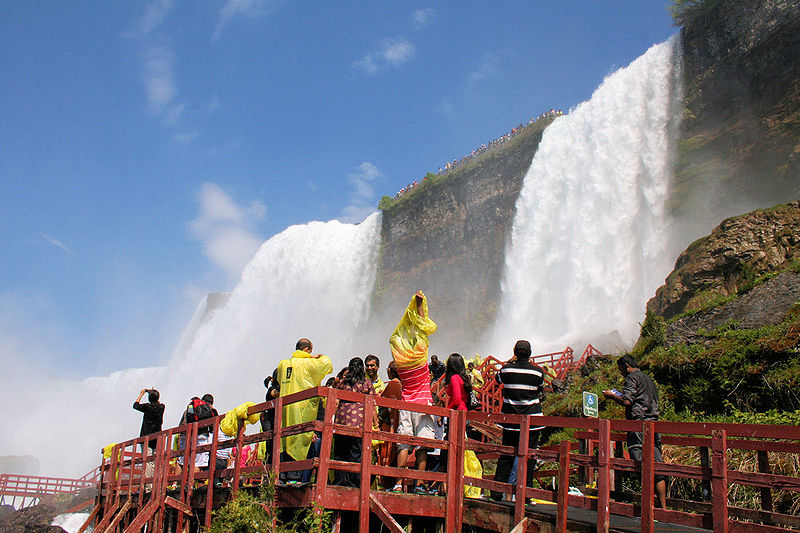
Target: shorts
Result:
[[415, 424], [635, 450]]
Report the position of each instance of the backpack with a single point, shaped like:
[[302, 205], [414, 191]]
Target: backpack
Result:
[[199, 410]]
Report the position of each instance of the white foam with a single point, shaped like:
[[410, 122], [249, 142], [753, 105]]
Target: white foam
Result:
[[588, 245]]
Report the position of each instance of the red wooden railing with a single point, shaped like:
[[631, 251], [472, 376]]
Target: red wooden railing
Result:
[[29, 490], [131, 496]]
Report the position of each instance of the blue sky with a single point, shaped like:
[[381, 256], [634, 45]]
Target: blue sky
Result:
[[148, 148]]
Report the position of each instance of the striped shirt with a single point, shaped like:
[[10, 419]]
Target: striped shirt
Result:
[[416, 384], [522, 390]]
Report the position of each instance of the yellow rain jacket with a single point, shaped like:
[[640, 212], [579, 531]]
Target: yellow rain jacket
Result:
[[230, 424], [299, 373], [409, 342]]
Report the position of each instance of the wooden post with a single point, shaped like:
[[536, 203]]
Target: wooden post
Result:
[[366, 462], [212, 468], [238, 464], [766, 492], [321, 486], [648, 482], [454, 519], [603, 474], [619, 451], [583, 449], [562, 503], [705, 462], [522, 469], [277, 432], [719, 480]]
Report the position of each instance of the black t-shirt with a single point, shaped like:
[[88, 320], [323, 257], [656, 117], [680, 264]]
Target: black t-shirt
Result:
[[153, 417]]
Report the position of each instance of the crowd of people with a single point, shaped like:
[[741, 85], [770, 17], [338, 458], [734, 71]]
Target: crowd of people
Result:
[[455, 163], [412, 377]]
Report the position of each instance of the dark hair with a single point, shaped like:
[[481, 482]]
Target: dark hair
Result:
[[455, 366], [371, 357], [391, 370], [153, 396], [208, 399], [522, 349], [627, 359], [355, 372], [302, 344]]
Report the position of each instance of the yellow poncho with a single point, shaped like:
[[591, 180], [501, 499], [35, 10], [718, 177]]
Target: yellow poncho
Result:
[[409, 342], [299, 373], [230, 424]]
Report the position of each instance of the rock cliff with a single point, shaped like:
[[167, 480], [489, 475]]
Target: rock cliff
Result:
[[737, 252], [740, 139], [449, 238]]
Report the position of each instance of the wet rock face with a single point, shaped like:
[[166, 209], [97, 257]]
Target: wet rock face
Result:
[[740, 141], [34, 519], [737, 251], [453, 235], [765, 305]]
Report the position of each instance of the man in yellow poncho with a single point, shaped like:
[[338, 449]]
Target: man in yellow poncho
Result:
[[409, 344], [300, 372]]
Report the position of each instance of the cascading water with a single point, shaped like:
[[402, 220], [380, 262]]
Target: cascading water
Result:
[[313, 281], [588, 241], [587, 251]]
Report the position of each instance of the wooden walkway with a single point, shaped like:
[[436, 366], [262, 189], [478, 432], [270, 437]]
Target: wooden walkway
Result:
[[594, 463]]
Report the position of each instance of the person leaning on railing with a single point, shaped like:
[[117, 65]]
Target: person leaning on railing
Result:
[[639, 396]]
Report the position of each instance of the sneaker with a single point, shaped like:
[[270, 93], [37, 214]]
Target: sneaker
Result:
[[420, 489], [397, 488]]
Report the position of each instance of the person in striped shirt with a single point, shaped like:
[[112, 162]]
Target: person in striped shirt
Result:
[[522, 382]]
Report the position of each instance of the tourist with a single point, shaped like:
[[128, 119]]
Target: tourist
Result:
[[457, 382], [522, 383], [300, 372], [372, 365], [437, 368], [152, 414], [409, 345], [346, 447], [639, 396], [388, 420], [475, 376]]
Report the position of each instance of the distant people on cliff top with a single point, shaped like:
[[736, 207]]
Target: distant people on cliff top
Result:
[[450, 165]]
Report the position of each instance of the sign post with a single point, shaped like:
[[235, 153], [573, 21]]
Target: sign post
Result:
[[590, 404]]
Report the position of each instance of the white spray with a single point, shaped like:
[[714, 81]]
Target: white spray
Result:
[[588, 241], [313, 281]]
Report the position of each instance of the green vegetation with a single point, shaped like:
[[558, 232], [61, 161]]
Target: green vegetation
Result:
[[686, 11], [255, 511], [388, 203]]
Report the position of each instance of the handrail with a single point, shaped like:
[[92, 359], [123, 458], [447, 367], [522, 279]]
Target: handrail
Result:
[[123, 474]]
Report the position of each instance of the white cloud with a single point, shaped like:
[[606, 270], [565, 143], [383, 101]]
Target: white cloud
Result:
[[422, 17], [225, 229], [153, 16], [243, 8], [488, 67], [362, 195], [392, 53], [159, 77], [55, 242]]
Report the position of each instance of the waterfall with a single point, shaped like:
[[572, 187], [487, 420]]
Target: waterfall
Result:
[[312, 280], [588, 245]]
